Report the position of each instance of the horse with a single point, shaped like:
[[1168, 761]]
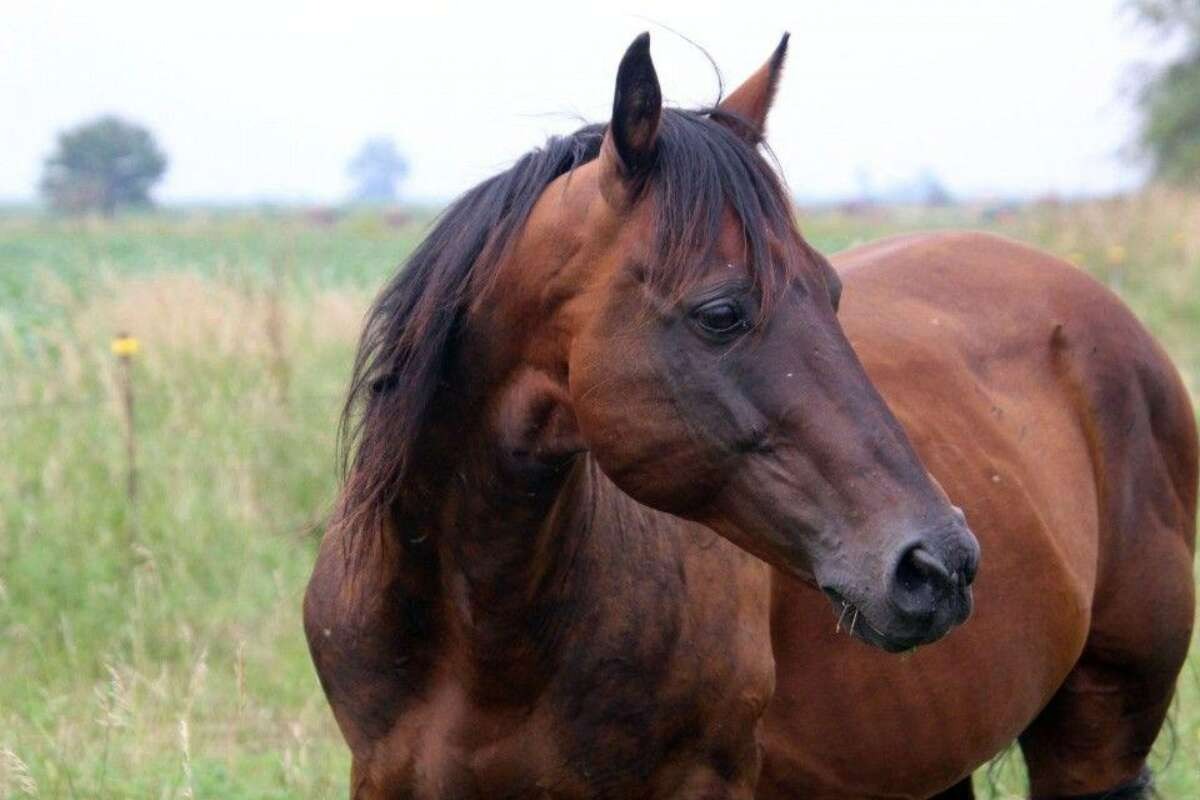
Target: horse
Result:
[[644, 497]]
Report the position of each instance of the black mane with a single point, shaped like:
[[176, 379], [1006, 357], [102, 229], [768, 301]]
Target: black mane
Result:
[[701, 170]]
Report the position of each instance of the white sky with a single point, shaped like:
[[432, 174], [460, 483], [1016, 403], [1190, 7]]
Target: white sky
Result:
[[257, 99]]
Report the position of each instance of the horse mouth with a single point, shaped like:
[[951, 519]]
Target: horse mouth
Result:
[[852, 620]]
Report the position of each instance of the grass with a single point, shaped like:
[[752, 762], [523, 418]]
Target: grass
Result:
[[153, 649]]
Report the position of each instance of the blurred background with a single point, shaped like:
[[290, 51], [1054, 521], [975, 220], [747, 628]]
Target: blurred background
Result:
[[197, 203]]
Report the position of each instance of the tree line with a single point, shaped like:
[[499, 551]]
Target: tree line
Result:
[[109, 163]]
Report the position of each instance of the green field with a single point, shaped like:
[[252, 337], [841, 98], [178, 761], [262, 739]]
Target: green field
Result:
[[153, 649]]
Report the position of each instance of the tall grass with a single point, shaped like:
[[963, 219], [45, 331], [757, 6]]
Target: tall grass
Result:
[[153, 649]]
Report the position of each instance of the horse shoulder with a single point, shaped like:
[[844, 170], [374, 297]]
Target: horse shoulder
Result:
[[371, 637]]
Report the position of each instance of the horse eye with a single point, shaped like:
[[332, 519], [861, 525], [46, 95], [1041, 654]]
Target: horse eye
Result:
[[721, 318]]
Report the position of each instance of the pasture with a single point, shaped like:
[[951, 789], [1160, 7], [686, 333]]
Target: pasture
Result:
[[152, 648]]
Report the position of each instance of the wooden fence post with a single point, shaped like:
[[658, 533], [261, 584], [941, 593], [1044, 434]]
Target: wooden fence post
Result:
[[276, 325], [125, 347]]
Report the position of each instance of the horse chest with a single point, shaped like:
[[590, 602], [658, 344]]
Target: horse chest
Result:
[[640, 705]]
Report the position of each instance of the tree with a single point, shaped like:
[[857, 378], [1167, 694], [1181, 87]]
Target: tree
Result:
[[376, 169], [1170, 99], [103, 165]]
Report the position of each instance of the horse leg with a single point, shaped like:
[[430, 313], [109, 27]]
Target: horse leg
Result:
[[962, 790], [1093, 738]]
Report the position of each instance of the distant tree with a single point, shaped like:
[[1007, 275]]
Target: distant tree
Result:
[[1170, 98], [931, 191], [102, 165], [377, 169]]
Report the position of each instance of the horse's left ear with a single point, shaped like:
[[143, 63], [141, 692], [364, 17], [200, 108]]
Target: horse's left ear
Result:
[[632, 137], [746, 109]]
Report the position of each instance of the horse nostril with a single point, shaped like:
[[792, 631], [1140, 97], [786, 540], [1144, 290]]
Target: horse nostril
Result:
[[928, 563], [928, 591], [918, 568]]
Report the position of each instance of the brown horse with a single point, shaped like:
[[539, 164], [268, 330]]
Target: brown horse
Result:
[[615, 455]]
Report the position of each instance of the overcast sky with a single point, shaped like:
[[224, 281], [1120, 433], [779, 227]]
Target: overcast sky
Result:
[[268, 100]]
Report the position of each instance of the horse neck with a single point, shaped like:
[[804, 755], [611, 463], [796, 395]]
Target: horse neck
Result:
[[520, 568], [522, 554]]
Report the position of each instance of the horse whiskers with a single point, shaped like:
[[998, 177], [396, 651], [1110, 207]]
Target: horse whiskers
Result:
[[854, 620], [838, 628]]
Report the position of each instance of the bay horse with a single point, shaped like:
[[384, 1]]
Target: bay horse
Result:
[[616, 447]]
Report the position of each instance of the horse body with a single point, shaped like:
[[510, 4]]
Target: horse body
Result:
[[1044, 409], [617, 452]]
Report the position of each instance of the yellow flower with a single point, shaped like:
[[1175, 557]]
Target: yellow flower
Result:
[[1116, 254], [124, 346]]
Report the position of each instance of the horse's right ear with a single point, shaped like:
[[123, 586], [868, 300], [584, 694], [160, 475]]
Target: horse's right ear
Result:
[[631, 141]]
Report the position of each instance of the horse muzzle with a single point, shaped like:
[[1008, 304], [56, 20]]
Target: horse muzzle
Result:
[[925, 591]]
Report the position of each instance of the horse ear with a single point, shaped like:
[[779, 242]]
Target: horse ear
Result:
[[746, 109], [629, 144]]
